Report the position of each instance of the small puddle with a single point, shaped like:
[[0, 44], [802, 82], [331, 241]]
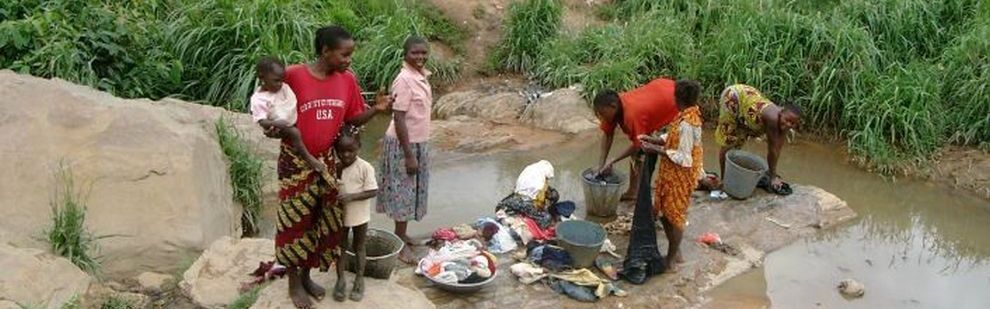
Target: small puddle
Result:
[[914, 245]]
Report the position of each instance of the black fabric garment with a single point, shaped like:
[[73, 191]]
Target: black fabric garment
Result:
[[643, 258], [518, 204]]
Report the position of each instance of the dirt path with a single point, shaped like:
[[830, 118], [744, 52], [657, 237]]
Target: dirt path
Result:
[[483, 21]]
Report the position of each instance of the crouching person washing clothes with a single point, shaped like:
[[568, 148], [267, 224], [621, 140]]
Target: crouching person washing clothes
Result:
[[680, 158], [640, 111], [743, 113]]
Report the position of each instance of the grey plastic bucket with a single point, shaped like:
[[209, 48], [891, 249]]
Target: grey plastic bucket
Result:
[[382, 252], [582, 240], [602, 196], [743, 171]]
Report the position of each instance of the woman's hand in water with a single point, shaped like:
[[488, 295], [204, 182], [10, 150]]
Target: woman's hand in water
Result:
[[412, 166], [383, 102], [605, 169]]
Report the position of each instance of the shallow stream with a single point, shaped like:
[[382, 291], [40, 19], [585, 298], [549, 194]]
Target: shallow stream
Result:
[[915, 244]]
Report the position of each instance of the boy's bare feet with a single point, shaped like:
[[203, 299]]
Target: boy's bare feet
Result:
[[297, 292], [340, 289], [357, 293], [311, 287]]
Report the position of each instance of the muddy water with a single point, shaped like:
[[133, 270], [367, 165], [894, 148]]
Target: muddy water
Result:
[[914, 244]]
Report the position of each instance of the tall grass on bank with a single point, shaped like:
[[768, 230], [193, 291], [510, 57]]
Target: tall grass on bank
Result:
[[967, 86], [196, 49], [68, 236], [897, 78], [530, 24], [900, 120], [617, 57], [244, 167], [378, 61]]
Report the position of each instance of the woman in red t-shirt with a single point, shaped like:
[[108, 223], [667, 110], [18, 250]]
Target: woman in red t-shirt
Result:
[[309, 223]]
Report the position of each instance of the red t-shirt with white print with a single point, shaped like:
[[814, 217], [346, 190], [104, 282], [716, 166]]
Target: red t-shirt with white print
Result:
[[323, 105]]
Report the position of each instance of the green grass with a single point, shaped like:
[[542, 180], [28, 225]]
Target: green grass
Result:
[[245, 169], [899, 79], [899, 122], [202, 50], [617, 57], [246, 299], [529, 25], [967, 86], [114, 302], [68, 235]]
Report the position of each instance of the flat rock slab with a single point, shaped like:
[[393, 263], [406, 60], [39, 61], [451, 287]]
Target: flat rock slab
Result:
[[755, 227], [37, 279], [377, 294], [214, 280]]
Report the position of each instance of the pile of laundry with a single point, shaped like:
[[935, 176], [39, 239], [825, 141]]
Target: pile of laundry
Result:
[[458, 261], [524, 224]]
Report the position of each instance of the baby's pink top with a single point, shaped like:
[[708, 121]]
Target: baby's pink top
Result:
[[414, 96], [279, 105]]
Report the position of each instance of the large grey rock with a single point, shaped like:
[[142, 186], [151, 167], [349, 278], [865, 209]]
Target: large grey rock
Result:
[[155, 176], [214, 280], [503, 107], [563, 110], [32, 277]]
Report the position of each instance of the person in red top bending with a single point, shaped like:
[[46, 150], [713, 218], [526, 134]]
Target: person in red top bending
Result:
[[641, 111], [310, 219]]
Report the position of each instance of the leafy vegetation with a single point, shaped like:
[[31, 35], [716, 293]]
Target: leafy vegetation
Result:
[[68, 236], [897, 78], [244, 166], [202, 49], [530, 25], [247, 299], [114, 302]]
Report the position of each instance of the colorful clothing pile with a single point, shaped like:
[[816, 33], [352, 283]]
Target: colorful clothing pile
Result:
[[549, 256], [516, 204], [501, 240], [585, 278], [458, 262]]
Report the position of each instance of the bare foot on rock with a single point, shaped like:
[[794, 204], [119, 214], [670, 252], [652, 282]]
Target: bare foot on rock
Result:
[[340, 290], [311, 287], [357, 293], [298, 293]]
